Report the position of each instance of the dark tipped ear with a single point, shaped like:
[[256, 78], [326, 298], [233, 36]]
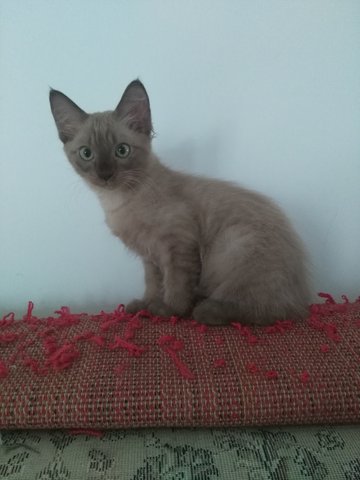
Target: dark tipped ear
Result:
[[68, 116], [134, 107]]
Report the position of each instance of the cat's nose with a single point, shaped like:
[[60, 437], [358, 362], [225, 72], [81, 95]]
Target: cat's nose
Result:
[[106, 175]]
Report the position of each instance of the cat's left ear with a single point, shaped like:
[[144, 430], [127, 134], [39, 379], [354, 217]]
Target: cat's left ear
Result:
[[67, 115], [134, 107]]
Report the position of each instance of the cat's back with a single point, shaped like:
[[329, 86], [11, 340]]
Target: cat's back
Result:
[[225, 202]]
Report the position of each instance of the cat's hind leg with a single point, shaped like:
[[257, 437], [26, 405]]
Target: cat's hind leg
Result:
[[221, 312]]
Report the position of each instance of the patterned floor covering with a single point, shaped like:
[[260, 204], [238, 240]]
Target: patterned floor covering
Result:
[[312, 453]]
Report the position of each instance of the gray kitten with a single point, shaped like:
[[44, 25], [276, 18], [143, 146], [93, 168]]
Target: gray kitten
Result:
[[211, 250]]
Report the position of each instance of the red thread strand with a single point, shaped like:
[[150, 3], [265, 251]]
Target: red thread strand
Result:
[[305, 377], [180, 365], [86, 335], [130, 330], [134, 350], [252, 368], [63, 357], [98, 340], [164, 339], [171, 345], [7, 320], [31, 320], [8, 337], [329, 298]]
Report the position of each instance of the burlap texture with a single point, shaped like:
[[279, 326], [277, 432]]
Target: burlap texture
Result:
[[119, 371]]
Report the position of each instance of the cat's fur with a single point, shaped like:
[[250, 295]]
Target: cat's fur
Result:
[[210, 249]]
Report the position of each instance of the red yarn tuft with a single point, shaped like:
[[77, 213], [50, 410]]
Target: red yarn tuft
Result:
[[271, 374], [7, 320], [177, 345], [252, 368], [134, 350], [30, 308], [246, 332], [332, 332], [324, 348], [29, 318], [50, 345], [164, 339], [280, 326], [183, 369], [8, 337], [171, 346], [130, 330], [305, 377], [330, 329], [329, 298], [63, 357], [86, 335], [66, 318], [98, 340]]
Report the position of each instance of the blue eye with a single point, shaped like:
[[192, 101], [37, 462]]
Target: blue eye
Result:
[[86, 153], [122, 150]]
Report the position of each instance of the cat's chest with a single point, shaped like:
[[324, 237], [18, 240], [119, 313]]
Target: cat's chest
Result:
[[129, 222]]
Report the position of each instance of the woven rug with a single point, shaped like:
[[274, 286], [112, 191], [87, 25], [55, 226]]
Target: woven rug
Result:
[[116, 370]]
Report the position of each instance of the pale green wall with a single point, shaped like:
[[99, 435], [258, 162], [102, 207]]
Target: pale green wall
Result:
[[266, 93]]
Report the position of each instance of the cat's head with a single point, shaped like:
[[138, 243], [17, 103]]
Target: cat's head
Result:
[[109, 149]]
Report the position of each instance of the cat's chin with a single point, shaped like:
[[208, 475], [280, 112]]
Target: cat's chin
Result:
[[103, 184]]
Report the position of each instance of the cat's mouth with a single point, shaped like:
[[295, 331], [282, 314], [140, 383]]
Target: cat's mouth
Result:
[[106, 183], [115, 182]]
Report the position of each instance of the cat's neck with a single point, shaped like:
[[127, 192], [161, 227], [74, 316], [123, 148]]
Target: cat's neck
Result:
[[149, 186]]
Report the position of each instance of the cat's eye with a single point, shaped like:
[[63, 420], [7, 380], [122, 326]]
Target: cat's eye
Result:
[[122, 150], [86, 153]]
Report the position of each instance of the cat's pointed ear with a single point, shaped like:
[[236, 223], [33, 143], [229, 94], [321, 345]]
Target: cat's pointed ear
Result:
[[67, 115], [134, 107]]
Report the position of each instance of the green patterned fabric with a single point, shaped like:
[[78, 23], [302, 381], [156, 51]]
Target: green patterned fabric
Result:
[[312, 453]]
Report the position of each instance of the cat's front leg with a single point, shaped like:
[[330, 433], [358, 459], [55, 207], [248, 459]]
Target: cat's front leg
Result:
[[153, 289], [181, 275]]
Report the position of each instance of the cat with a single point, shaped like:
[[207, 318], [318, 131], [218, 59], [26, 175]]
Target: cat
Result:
[[211, 250]]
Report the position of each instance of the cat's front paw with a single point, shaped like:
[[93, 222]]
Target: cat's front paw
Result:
[[158, 307], [163, 309], [136, 305]]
